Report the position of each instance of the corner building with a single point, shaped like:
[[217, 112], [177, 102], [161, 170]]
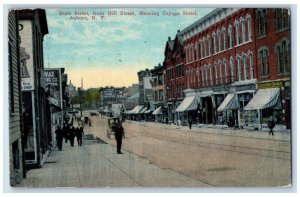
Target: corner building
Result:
[[223, 67]]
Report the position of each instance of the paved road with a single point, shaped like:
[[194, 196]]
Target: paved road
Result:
[[158, 155], [217, 157]]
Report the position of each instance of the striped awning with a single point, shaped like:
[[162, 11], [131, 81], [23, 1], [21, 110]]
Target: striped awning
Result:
[[188, 104], [148, 111], [230, 102], [265, 98], [143, 110], [157, 111]]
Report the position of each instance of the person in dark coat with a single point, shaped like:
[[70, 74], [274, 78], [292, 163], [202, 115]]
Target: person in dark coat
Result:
[[72, 135], [119, 133], [271, 125], [59, 138], [65, 132], [190, 124], [79, 134]]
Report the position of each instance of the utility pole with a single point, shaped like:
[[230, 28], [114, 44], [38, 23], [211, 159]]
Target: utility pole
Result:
[[80, 102]]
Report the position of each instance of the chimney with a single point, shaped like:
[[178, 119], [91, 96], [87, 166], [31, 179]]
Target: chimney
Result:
[[169, 38], [178, 31]]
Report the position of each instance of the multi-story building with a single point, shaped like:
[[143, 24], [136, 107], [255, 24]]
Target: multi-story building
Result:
[[226, 55], [37, 132], [159, 93], [273, 60], [16, 132], [174, 75]]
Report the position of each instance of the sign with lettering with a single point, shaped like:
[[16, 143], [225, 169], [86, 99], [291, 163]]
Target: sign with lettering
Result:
[[26, 55], [274, 84], [53, 84]]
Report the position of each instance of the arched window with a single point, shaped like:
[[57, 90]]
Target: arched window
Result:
[[238, 61], [216, 73], [230, 36], [231, 69], [251, 66], [208, 46], [245, 67], [204, 48], [196, 50], [261, 22], [237, 33], [248, 19], [263, 54], [202, 76], [284, 55], [224, 39], [214, 43], [220, 71], [243, 30], [201, 49], [210, 75], [219, 42], [226, 72], [278, 59]]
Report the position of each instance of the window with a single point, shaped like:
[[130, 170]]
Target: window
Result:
[[220, 67], [202, 76], [224, 39], [251, 66], [230, 36], [219, 41], [216, 73], [210, 75], [204, 48], [248, 19], [196, 50], [193, 52], [226, 73], [243, 30], [214, 43], [245, 67], [231, 69], [208, 46], [261, 22], [201, 49], [238, 60], [263, 54], [282, 18], [237, 33], [281, 52]]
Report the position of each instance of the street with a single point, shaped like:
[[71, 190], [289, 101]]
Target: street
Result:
[[160, 155]]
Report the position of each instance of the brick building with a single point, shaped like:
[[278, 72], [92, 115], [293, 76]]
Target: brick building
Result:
[[174, 75], [224, 61]]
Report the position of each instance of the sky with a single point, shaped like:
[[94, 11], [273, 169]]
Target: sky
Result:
[[109, 50]]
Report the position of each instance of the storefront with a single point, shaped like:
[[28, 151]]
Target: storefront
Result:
[[244, 90], [265, 103]]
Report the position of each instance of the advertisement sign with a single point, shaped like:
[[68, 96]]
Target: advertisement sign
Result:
[[26, 55], [53, 85]]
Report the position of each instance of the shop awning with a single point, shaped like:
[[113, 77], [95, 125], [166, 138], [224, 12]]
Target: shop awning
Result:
[[143, 110], [265, 98], [230, 102], [157, 111], [133, 110], [137, 111], [188, 104], [148, 111]]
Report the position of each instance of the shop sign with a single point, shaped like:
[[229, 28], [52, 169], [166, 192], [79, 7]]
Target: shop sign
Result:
[[245, 87], [274, 84]]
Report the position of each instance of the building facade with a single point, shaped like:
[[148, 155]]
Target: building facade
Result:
[[174, 75], [16, 132], [226, 54], [37, 133]]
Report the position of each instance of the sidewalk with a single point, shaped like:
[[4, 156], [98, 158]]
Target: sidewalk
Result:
[[97, 165]]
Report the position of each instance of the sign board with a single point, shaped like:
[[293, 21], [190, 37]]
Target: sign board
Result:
[[274, 84], [53, 84], [26, 55]]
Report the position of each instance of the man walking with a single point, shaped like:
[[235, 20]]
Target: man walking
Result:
[[79, 134], [119, 132], [72, 135], [271, 125], [59, 137]]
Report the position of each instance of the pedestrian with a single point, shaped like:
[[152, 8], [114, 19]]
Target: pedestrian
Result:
[[65, 133], [79, 134], [271, 125], [119, 134], [59, 137], [190, 123], [72, 135]]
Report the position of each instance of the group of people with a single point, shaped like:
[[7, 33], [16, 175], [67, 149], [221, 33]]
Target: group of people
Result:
[[69, 132]]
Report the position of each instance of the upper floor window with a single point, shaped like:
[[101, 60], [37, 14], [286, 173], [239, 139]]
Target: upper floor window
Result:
[[214, 43], [230, 36], [239, 72], [201, 49], [225, 69], [248, 21], [224, 38], [282, 57], [216, 73], [210, 75], [282, 18], [251, 66], [261, 22], [231, 69], [220, 67], [208, 46], [245, 67], [237, 33], [263, 55], [243, 30]]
